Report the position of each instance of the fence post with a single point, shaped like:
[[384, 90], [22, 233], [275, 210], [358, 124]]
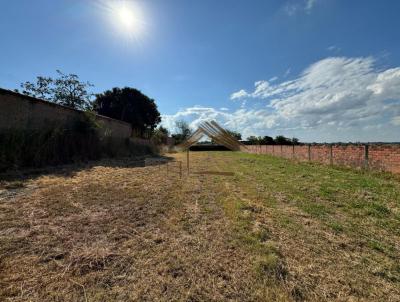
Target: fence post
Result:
[[273, 149], [180, 170], [309, 152], [366, 159], [330, 154], [293, 152], [281, 151], [187, 160]]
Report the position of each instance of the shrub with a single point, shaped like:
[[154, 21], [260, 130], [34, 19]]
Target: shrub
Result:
[[76, 141]]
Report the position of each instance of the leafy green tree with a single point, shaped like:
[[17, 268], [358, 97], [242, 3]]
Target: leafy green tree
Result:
[[295, 141], [282, 140], [66, 90], [267, 140], [129, 105], [254, 140]]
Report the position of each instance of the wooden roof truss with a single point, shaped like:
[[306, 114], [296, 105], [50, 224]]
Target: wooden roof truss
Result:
[[215, 132]]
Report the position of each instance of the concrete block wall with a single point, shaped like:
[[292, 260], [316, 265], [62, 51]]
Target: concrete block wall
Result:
[[384, 157], [18, 111]]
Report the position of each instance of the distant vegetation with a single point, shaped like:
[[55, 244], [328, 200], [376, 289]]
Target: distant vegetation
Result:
[[268, 140], [160, 136], [183, 131]]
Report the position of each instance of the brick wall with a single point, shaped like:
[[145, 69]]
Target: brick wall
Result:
[[385, 157], [18, 111]]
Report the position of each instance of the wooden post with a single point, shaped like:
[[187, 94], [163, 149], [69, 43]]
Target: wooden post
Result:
[[309, 152], [293, 152], [273, 149], [281, 150], [330, 154], [366, 156], [187, 161]]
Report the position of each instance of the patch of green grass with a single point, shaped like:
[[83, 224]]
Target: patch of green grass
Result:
[[336, 227], [377, 210], [301, 201], [314, 209], [287, 222], [268, 263], [356, 194], [376, 245]]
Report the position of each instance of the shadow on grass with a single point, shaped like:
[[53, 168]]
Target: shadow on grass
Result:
[[15, 178]]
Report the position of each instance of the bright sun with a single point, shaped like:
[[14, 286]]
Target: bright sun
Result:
[[127, 17]]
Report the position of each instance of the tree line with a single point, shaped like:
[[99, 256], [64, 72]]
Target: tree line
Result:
[[125, 104], [268, 140]]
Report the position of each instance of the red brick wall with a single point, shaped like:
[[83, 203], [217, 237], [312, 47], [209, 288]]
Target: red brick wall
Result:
[[349, 155], [301, 153], [384, 157], [18, 111], [320, 153], [380, 157]]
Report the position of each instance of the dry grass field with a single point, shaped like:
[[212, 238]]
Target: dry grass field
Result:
[[275, 231]]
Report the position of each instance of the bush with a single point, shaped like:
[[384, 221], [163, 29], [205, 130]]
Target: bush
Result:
[[62, 144]]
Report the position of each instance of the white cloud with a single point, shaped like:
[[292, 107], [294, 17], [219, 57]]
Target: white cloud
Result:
[[340, 90], [309, 5], [245, 121], [239, 94], [334, 48], [336, 98], [396, 121], [293, 7], [387, 84]]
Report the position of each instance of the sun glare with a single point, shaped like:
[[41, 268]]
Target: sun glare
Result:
[[127, 17]]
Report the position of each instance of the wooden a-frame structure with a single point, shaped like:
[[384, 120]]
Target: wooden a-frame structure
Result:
[[215, 132]]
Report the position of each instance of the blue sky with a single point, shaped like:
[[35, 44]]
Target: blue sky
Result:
[[320, 70]]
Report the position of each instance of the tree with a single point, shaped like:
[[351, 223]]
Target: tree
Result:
[[183, 131], [267, 140], [129, 105], [235, 134], [160, 135], [66, 90], [71, 92], [295, 141], [282, 140], [254, 140]]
